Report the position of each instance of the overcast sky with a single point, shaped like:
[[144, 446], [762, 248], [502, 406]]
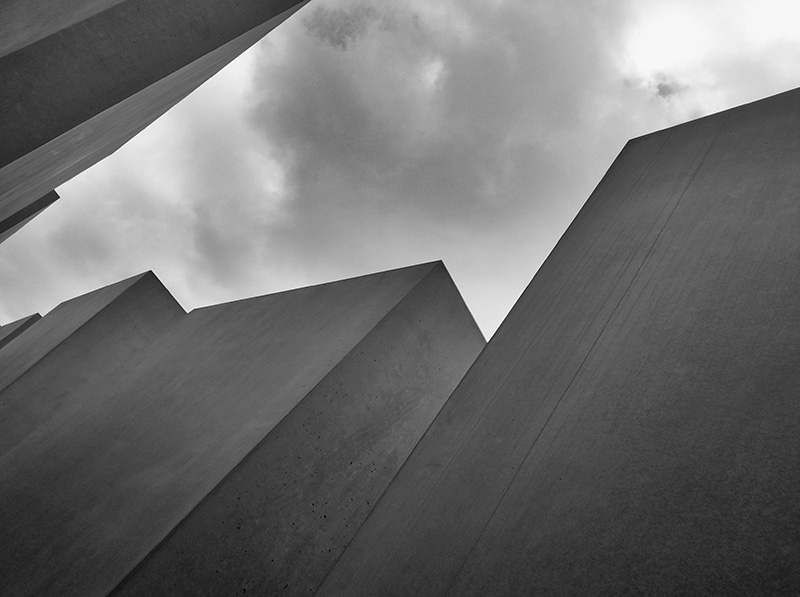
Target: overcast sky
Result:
[[368, 135]]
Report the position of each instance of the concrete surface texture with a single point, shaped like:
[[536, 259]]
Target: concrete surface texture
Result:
[[279, 520], [81, 338], [54, 329], [13, 329], [634, 425], [81, 82], [130, 445]]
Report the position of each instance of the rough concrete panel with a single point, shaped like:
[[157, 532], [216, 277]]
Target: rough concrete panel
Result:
[[279, 520], [13, 329], [632, 428], [94, 489], [101, 346], [79, 125], [55, 327]]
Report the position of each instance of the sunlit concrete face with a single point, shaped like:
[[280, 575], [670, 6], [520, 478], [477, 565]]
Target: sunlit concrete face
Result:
[[634, 424], [83, 81], [270, 425]]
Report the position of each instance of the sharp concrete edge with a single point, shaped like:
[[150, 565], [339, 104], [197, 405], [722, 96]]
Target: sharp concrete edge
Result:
[[56, 160], [49, 332], [13, 329], [386, 392], [469, 513], [145, 438]]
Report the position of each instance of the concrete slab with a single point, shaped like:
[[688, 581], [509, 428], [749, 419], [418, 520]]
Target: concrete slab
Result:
[[281, 518], [632, 427], [24, 352], [104, 341], [97, 75], [13, 329], [15, 218], [27, 21], [93, 488]]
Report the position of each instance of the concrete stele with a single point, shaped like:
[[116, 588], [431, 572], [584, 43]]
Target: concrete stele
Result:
[[281, 518], [633, 425], [13, 329], [93, 489], [91, 75]]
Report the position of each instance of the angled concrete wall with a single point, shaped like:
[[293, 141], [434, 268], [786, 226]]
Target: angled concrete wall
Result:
[[93, 335], [53, 330], [279, 520], [16, 217], [632, 427], [92, 488], [82, 82], [13, 329]]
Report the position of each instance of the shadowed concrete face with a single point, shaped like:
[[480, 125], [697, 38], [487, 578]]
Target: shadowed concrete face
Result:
[[634, 425], [281, 518], [51, 331], [96, 334], [13, 329], [131, 447], [14, 218], [82, 82]]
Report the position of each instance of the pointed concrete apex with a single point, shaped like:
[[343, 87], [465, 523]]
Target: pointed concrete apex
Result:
[[110, 454], [54, 328], [323, 467]]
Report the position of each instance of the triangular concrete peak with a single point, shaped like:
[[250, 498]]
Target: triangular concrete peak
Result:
[[55, 327], [91, 335], [323, 467], [166, 426]]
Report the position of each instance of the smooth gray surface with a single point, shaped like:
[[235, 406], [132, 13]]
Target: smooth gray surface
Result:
[[280, 519], [634, 425], [27, 21], [13, 329], [50, 390], [97, 79], [24, 352], [14, 218], [94, 486]]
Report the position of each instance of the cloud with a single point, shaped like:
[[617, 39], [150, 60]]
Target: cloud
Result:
[[339, 27], [666, 88], [453, 119], [360, 136]]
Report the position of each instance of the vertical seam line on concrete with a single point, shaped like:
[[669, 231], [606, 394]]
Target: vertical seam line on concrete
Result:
[[588, 353]]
